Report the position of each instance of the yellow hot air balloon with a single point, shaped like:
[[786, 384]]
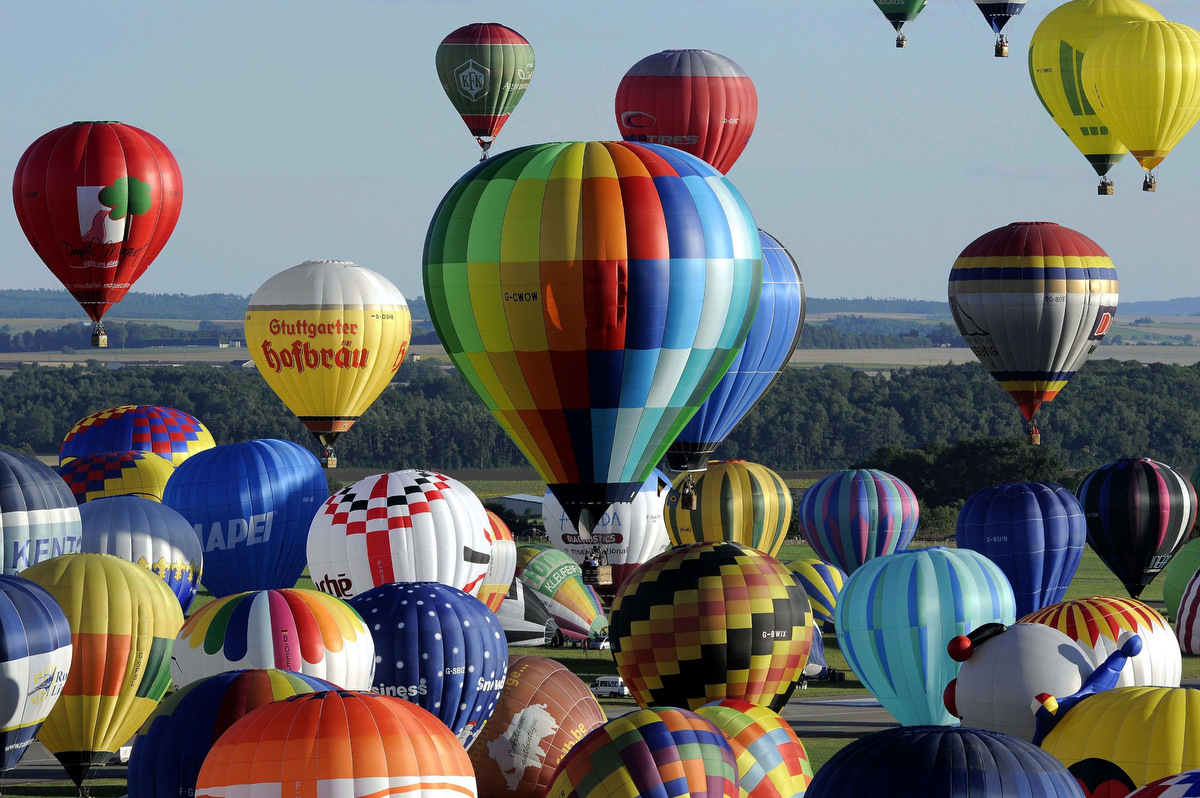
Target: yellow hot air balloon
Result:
[[123, 621], [1143, 79], [736, 501], [1055, 59], [328, 336]]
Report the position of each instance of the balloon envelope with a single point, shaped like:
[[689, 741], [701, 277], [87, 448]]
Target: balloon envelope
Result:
[[558, 582], [998, 13], [855, 515], [898, 12], [149, 534], [524, 617], [485, 69], [741, 502], [822, 583], [702, 102], [165, 431], [771, 760], [39, 517], [251, 505], [1035, 532], [134, 473], [502, 567], [1179, 571]]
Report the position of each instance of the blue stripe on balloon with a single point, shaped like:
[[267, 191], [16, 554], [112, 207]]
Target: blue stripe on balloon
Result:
[[685, 234], [688, 280], [237, 627], [651, 285]]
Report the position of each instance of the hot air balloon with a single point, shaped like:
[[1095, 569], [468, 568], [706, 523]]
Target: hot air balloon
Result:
[[170, 747], [633, 268], [123, 621], [941, 762], [485, 68], [1033, 300], [997, 15], [147, 533], [625, 535], [525, 619], [1143, 79], [337, 743], [543, 711], [165, 431], [439, 648], [328, 336], [855, 515], [709, 621], [502, 567], [699, 101], [35, 655], [1179, 571], [98, 201], [771, 760], [892, 610], [1139, 512], [558, 582], [250, 505], [1187, 618], [1056, 53], [899, 12], [773, 337], [526, 551], [134, 473], [822, 582], [1098, 623], [1178, 785], [656, 751], [293, 629], [404, 526], [39, 517], [1035, 532], [742, 502]]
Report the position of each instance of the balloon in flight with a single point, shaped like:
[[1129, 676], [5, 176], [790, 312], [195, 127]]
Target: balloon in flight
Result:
[[899, 12], [328, 336], [134, 473], [97, 201], [165, 431], [39, 517], [998, 13]]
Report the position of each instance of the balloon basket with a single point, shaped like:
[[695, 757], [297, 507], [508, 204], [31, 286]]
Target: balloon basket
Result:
[[1035, 438], [1001, 48], [1106, 188], [597, 574], [901, 42], [329, 462], [99, 336], [1150, 183]]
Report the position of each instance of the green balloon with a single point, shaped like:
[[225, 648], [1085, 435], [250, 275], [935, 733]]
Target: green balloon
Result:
[[900, 11], [485, 69]]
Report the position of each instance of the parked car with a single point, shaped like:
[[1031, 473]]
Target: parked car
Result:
[[601, 643], [609, 687]]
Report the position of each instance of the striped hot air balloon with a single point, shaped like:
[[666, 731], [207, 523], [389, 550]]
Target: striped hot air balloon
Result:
[[822, 582], [502, 567], [1180, 570], [165, 431], [771, 760], [1187, 620], [134, 473], [741, 502], [1179, 785], [853, 516]]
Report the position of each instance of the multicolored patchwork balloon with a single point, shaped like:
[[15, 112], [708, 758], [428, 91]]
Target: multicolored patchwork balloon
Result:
[[822, 582], [335, 743], [134, 473], [741, 502], [633, 268], [293, 629], [855, 515], [771, 760], [656, 751], [710, 621], [893, 610], [39, 517], [558, 581], [165, 431]]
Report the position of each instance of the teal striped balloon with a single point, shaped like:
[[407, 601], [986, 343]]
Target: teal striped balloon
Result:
[[896, 614]]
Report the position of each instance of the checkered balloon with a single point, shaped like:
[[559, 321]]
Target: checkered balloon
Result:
[[168, 432]]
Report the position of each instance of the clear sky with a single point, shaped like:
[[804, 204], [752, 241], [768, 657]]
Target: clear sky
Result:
[[318, 129]]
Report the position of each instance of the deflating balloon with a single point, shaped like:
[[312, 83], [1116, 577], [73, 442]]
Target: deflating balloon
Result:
[[328, 336], [893, 609], [35, 656], [656, 751], [502, 567], [543, 711], [337, 743], [558, 582], [1035, 532], [633, 268], [147, 533], [771, 760], [822, 582], [1033, 300], [293, 629], [95, 476], [251, 505], [405, 526], [98, 201], [170, 747], [699, 101], [1139, 512], [165, 431], [853, 516], [485, 69], [123, 621], [741, 502], [525, 619], [709, 621], [439, 648], [39, 517], [772, 339]]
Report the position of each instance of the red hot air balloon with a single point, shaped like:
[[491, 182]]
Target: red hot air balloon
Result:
[[696, 100], [97, 200]]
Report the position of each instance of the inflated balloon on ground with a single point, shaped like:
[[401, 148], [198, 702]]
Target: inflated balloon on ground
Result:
[[39, 517], [165, 431], [740, 502], [524, 617], [771, 760], [502, 567], [134, 473], [822, 583], [855, 515], [1180, 570], [1187, 620], [555, 578]]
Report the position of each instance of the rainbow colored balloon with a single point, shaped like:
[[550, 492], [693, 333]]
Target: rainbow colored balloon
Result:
[[133, 473], [558, 581], [855, 515], [168, 432], [771, 760]]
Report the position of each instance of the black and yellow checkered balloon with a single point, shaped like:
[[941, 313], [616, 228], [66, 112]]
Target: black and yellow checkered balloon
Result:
[[710, 621]]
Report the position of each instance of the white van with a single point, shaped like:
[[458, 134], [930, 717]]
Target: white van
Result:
[[609, 687]]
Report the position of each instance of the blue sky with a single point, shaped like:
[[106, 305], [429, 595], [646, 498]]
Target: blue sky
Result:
[[319, 130]]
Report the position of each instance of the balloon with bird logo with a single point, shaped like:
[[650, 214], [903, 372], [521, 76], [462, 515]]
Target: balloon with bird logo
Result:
[[1033, 300], [98, 202], [328, 336], [485, 69], [592, 294], [165, 431]]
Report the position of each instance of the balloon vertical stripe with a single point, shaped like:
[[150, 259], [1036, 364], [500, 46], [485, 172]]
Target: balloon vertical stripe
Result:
[[853, 516]]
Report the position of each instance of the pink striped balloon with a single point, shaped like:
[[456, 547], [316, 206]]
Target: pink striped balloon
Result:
[[855, 515], [1187, 621]]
